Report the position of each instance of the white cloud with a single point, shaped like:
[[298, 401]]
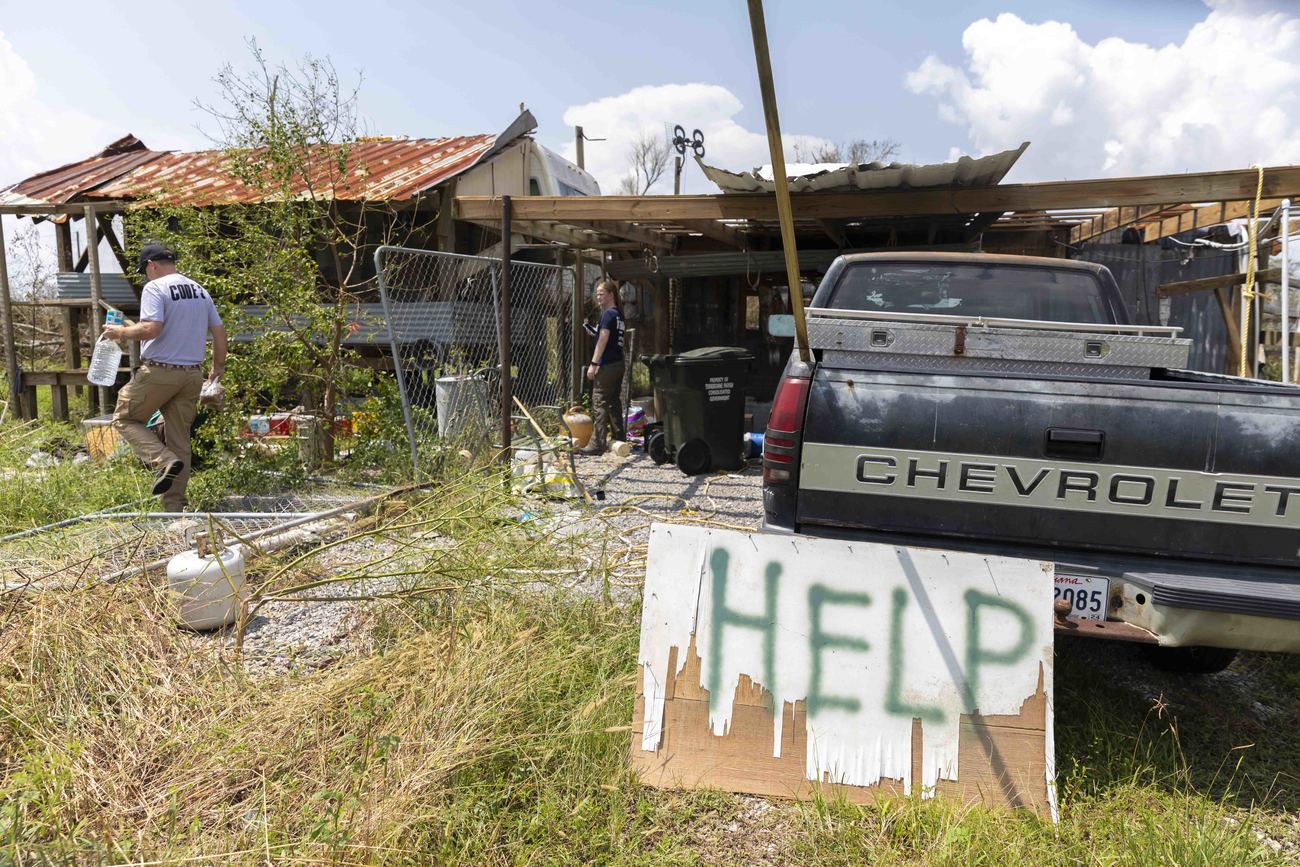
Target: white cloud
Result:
[[1226, 97], [711, 108], [36, 131]]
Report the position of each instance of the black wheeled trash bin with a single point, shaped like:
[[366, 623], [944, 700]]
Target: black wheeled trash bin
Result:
[[701, 396]]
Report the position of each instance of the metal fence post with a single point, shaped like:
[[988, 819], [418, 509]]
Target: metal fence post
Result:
[[397, 361], [503, 314]]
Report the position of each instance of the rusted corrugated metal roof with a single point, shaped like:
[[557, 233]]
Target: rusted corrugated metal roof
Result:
[[68, 183], [965, 172], [372, 171]]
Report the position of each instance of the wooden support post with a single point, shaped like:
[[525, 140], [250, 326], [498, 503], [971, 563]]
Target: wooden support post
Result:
[[59, 402], [29, 402], [128, 270], [663, 339], [7, 314], [446, 225], [72, 341], [784, 210], [96, 287], [503, 332], [63, 244], [580, 350]]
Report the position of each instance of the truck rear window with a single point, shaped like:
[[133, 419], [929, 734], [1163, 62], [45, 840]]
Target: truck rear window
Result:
[[971, 289]]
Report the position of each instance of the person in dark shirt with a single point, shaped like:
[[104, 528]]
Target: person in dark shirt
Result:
[[606, 370]]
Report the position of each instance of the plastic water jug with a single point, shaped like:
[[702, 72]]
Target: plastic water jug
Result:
[[107, 355]]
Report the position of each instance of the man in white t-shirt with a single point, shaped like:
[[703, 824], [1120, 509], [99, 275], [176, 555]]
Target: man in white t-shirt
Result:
[[176, 317]]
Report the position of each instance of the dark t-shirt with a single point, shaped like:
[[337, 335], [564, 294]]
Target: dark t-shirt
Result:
[[612, 321]]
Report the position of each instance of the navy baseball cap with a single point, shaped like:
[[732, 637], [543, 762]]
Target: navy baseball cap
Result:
[[154, 252]]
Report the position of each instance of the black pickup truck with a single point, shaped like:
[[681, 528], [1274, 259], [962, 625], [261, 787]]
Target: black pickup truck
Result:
[[1005, 404]]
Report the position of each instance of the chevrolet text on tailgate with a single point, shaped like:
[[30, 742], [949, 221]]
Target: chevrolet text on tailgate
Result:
[[1006, 404]]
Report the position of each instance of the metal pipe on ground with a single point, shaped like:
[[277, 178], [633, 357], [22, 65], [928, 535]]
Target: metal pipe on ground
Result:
[[361, 507], [118, 516]]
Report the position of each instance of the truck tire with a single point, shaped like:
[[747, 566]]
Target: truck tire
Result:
[[1189, 660]]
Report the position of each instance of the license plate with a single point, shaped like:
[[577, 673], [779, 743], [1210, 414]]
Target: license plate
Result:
[[1088, 595]]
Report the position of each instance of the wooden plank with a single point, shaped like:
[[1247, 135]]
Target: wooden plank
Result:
[[61, 377], [834, 230], [718, 232], [765, 708], [7, 324], [1236, 185], [1209, 215], [1223, 281], [63, 244], [1114, 218], [629, 232], [59, 402], [128, 268], [76, 209], [1234, 330]]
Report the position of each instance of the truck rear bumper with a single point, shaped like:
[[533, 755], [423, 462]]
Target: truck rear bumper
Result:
[[1174, 604], [1186, 625]]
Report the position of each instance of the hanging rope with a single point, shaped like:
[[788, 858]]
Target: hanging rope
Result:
[[1248, 292]]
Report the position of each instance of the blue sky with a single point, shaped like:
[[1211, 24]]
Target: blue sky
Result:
[[81, 73]]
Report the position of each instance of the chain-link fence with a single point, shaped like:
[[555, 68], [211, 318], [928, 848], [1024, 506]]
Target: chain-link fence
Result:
[[442, 313]]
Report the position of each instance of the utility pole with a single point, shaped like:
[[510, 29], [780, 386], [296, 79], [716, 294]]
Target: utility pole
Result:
[[783, 207]]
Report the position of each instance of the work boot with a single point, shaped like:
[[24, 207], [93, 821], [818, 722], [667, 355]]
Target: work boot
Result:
[[163, 483], [591, 450]]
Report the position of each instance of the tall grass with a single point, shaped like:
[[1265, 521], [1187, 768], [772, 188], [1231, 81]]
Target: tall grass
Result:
[[487, 723]]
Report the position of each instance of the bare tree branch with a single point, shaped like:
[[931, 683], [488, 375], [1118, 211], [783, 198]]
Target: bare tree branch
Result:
[[855, 152], [648, 159]]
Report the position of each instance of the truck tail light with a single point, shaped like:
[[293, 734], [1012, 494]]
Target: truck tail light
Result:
[[784, 431]]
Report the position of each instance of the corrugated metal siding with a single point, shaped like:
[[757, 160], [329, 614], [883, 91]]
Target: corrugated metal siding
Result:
[[114, 288], [1140, 269], [965, 172]]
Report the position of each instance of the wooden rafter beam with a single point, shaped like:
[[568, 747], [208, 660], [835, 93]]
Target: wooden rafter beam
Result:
[[1237, 185], [1224, 281], [545, 232], [128, 271], [629, 232], [718, 232], [1112, 219], [834, 230], [1209, 215]]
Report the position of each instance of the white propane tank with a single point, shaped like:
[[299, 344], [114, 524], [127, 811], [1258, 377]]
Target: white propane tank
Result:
[[209, 588]]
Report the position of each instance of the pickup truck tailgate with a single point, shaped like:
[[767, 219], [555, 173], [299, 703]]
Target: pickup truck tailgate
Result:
[[1147, 467]]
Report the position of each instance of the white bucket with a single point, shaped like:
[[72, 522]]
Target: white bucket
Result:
[[209, 589], [462, 404]]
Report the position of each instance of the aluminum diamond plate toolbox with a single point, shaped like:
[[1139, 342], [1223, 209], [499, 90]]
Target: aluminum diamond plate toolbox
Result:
[[991, 346]]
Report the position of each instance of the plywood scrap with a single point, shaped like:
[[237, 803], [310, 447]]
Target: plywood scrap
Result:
[[774, 666]]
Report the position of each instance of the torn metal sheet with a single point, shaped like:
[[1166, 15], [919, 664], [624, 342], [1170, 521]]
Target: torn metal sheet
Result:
[[770, 664], [986, 171]]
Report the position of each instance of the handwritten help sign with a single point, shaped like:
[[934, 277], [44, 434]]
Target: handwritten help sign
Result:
[[773, 664]]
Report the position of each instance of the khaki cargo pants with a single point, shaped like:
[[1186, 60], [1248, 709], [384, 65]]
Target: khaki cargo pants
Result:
[[176, 393], [607, 404]]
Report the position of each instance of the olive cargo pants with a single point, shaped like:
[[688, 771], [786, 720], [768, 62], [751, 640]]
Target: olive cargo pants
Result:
[[607, 404], [176, 393]]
